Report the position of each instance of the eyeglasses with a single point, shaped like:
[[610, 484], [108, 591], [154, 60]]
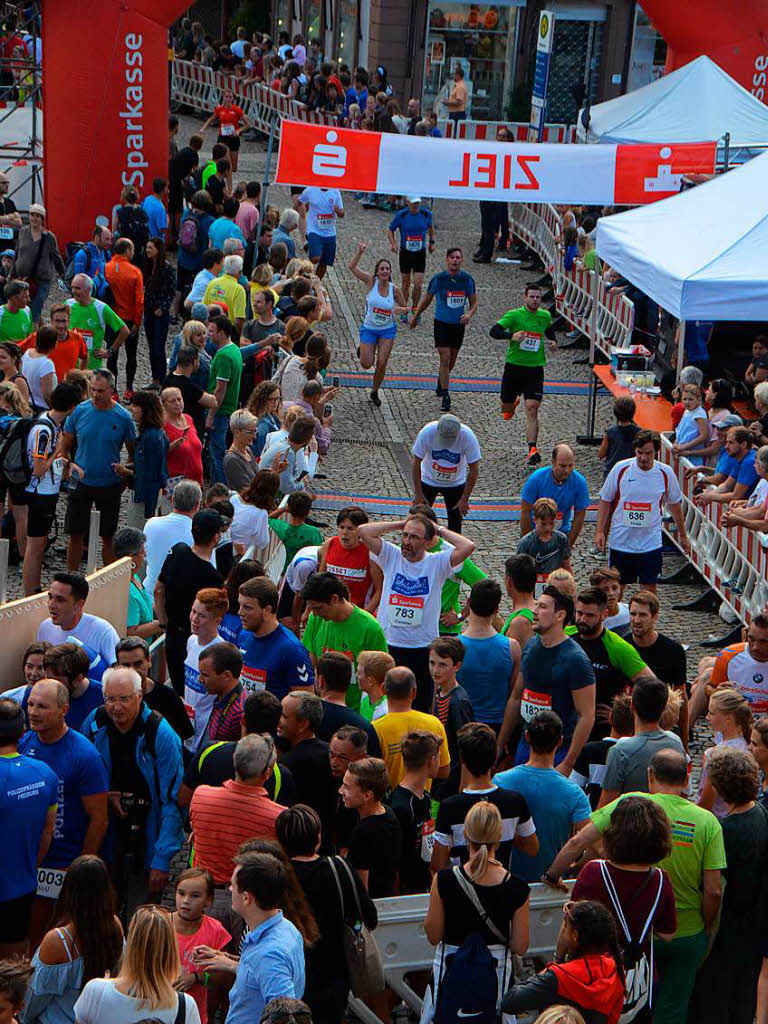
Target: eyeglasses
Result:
[[121, 700]]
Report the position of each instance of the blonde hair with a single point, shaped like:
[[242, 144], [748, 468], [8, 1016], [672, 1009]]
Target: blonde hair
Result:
[[290, 415], [560, 1015], [262, 274], [191, 328], [731, 702], [482, 828], [670, 716], [563, 580], [292, 267], [375, 663], [151, 959], [13, 399], [295, 327]]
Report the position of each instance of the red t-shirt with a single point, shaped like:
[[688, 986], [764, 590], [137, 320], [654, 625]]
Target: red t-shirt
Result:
[[187, 459], [352, 566], [636, 905], [229, 119], [9, 44], [210, 933]]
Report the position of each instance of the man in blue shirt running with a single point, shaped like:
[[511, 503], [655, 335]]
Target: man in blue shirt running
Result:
[[414, 223], [456, 304]]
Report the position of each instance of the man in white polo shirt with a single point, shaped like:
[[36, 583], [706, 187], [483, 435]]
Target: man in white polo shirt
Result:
[[446, 460], [632, 500], [409, 610]]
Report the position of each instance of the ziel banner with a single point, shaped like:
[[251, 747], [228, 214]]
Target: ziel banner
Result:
[[465, 169]]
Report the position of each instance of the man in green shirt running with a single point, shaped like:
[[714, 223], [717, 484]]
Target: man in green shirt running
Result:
[[91, 317], [15, 317], [525, 328], [335, 624], [224, 384]]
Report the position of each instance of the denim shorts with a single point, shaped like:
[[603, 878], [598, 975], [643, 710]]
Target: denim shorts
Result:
[[322, 246]]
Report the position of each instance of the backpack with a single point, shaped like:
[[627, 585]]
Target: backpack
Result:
[[469, 987], [134, 224], [189, 234], [638, 967], [73, 248], [101, 289], [15, 467]]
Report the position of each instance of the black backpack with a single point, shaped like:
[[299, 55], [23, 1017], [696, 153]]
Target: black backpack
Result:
[[134, 224], [15, 467]]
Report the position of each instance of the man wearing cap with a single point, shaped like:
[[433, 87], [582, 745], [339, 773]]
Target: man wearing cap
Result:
[[414, 224], [446, 460], [10, 218], [185, 571], [456, 305], [741, 478], [724, 463]]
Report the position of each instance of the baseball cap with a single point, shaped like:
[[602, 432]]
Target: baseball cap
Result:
[[7, 252], [413, 199], [200, 312], [207, 520], [448, 427], [729, 420]]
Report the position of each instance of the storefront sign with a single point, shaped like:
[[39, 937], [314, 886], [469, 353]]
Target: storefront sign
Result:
[[465, 169], [541, 75]]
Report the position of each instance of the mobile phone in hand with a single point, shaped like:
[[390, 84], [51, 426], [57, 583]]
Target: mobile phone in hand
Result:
[[327, 410], [334, 382]]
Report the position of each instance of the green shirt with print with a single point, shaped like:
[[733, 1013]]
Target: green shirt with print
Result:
[[360, 632], [227, 365], [450, 594], [590, 259], [531, 349], [697, 846], [92, 321], [294, 538], [15, 326]]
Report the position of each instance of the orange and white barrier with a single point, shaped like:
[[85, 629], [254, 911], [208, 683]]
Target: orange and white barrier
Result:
[[517, 130]]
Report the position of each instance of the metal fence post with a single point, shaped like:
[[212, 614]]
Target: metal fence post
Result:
[[93, 540]]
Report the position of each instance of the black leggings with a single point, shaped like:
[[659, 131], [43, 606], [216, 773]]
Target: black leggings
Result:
[[131, 345], [452, 497]]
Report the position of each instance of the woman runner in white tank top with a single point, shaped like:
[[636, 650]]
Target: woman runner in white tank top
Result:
[[382, 304]]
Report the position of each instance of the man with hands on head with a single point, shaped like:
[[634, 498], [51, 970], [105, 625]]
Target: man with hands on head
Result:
[[409, 611]]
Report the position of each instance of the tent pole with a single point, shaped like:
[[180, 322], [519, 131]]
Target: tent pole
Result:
[[726, 152], [680, 351], [589, 438]]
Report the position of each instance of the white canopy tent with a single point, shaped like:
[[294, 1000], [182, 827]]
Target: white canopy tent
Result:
[[698, 102], [701, 254]]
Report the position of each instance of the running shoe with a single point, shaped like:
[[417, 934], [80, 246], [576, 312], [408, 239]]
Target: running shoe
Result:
[[127, 395], [375, 399], [533, 456], [445, 405]]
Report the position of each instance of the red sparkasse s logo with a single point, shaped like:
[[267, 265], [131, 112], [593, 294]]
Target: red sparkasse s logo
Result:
[[335, 158], [647, 173]]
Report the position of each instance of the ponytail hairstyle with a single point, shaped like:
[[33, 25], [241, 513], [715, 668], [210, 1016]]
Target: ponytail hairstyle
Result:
[[12, 399], [595, 931], [318, 356], [730, 702], [482, 828]]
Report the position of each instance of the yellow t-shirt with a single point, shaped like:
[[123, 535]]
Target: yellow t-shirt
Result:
[[255, 287], [391, 729], [227, 289]]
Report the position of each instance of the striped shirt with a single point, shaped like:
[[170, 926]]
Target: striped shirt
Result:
[[226, 716], [223, 817]]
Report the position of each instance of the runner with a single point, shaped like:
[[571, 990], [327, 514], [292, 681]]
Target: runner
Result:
[[525, 328], [631, 500], [378, 329], [232, 122], [414, 224], [318, 209], [455, 290]]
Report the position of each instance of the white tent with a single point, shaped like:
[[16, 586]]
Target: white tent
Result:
[[699, 102], [700, 254]]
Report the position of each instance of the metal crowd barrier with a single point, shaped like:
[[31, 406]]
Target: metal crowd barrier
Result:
[[405, 947], [539, 227], [199, 87], [732, 560], [518, 130]]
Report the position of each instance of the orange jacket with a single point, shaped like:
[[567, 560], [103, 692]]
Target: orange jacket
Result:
[[127, 286]]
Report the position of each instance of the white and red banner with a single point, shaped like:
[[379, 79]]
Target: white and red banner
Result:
[[468, 169]]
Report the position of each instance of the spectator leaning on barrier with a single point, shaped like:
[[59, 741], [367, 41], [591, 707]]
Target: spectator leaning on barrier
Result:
[[142, 755], [69, 622]]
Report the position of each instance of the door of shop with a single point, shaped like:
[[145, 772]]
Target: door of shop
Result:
[[575, 68]]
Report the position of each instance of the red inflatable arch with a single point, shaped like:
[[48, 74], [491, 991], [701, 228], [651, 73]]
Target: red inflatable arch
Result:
[[733, 34], [105, 105]]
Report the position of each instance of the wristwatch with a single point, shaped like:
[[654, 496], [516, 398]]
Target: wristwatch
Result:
[[550, 879]]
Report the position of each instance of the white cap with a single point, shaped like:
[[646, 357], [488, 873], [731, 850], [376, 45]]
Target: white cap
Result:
[[413, 199]]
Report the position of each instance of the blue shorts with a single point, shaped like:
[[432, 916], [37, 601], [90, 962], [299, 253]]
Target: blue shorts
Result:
[[370, 336], [637, 567], [322, 246]]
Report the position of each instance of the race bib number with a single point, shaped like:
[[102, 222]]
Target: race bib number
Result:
[[254, 680], [532, 703], [541, 582], [325, 220], [530, 342], [227, 129], [427, 840], [455, 300], [381, 317], [88, 338], [49, 882], [414, 243], [6, 232], [637, 513], [406, 611], [445, 474]]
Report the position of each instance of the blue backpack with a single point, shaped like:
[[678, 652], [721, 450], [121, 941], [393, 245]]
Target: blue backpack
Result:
[[469, 987]]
